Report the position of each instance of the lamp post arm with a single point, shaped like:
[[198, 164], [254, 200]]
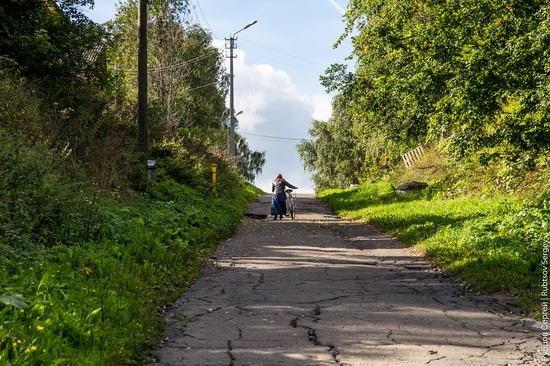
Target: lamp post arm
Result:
[[245, 27]]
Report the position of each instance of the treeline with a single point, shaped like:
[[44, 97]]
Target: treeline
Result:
[[469, 77], [79, 86]]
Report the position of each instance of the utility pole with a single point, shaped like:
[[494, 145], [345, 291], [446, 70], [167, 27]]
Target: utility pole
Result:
[[231, 98], [142, 79], [232, 40]]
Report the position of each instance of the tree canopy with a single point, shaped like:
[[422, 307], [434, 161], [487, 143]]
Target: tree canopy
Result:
[[471, 74], [85, 76]]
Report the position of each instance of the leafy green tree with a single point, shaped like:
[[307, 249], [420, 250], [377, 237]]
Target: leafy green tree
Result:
[[59, 50], [469, 72], [494, 67], [186, 76], [333, 154], [250, 163], [187, 79], [49, 39]]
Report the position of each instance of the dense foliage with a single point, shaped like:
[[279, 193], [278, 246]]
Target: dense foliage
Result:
[[471, 75], [83, 274], [90, 250], [84, 75], [187, 81]]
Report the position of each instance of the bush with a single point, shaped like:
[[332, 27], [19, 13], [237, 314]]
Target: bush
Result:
[[39, 206]]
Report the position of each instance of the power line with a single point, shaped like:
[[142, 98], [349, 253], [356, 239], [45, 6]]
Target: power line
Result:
[[196, 15], [173, 66], [203, 86], [272, 137], [283, 53], [271, 140], [284, 62], [204, 17], [162, 68]]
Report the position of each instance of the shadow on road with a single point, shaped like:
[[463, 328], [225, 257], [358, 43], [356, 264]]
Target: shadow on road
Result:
[[319, 291]]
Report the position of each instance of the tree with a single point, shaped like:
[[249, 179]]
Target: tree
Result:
[[187, 81], [48, 39], [471, 73], [59, 50], [333, 154], [250, 163]]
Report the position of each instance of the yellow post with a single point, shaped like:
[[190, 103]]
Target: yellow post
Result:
[[214, 168]]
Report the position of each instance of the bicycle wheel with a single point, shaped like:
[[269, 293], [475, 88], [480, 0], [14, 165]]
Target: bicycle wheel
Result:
[[292, 214], [292, 209]]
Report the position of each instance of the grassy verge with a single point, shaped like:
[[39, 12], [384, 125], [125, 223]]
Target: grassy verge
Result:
[[83, 274], [495, 244]]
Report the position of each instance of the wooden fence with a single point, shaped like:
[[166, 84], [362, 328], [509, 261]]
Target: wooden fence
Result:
[[412, 156]]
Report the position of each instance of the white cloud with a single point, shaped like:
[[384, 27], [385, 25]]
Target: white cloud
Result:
[[323, 107], [273, 106]]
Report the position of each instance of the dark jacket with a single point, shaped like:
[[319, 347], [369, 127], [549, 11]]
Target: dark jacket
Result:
[[279, 185]]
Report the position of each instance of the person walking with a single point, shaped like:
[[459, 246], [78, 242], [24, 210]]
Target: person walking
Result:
[[278, 199]]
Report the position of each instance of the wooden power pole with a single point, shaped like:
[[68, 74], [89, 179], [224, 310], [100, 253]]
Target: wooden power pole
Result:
[[142, 79]]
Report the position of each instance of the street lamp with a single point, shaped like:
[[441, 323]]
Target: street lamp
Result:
[[236, 120], [227, 125], [232, 40]]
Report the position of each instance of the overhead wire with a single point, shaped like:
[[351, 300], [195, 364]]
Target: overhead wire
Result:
[[196, 15], [284, 62], [260, 45], [162, 68], [281, 52], [196, 59], [203, 86], [272, 137], [206, 21]]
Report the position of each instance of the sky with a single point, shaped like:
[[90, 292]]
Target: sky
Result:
[[276, 72]]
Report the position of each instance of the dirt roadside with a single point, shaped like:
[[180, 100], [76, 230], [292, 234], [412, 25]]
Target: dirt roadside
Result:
[[321, 291]]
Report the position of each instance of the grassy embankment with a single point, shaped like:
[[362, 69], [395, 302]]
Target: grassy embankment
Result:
[[83, 273], [492, 240]]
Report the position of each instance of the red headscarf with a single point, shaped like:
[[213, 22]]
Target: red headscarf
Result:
[[279, 177]]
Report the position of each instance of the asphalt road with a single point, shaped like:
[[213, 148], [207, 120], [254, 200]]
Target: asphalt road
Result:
[[321, 291]]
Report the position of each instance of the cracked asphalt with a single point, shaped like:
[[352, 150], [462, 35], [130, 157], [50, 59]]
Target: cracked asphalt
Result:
[[322, 291]]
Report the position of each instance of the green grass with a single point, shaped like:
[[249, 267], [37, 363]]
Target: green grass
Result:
[[97, 302], [83, 274], [495, 244]]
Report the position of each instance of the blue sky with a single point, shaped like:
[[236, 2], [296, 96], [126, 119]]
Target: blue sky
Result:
[[279, 61]]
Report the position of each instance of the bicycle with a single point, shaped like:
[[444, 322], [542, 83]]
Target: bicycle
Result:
[[290, 204]]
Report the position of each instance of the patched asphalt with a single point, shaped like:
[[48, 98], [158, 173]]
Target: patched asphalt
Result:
[[319, 290]]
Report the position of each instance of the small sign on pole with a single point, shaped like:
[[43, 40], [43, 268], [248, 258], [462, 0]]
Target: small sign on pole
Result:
[[214, 168], [151, 166]]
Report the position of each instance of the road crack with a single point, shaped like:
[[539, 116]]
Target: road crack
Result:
[[389, 336], [260, 281], [232, 357], [312, 334], [491, 347], [436, 359]]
